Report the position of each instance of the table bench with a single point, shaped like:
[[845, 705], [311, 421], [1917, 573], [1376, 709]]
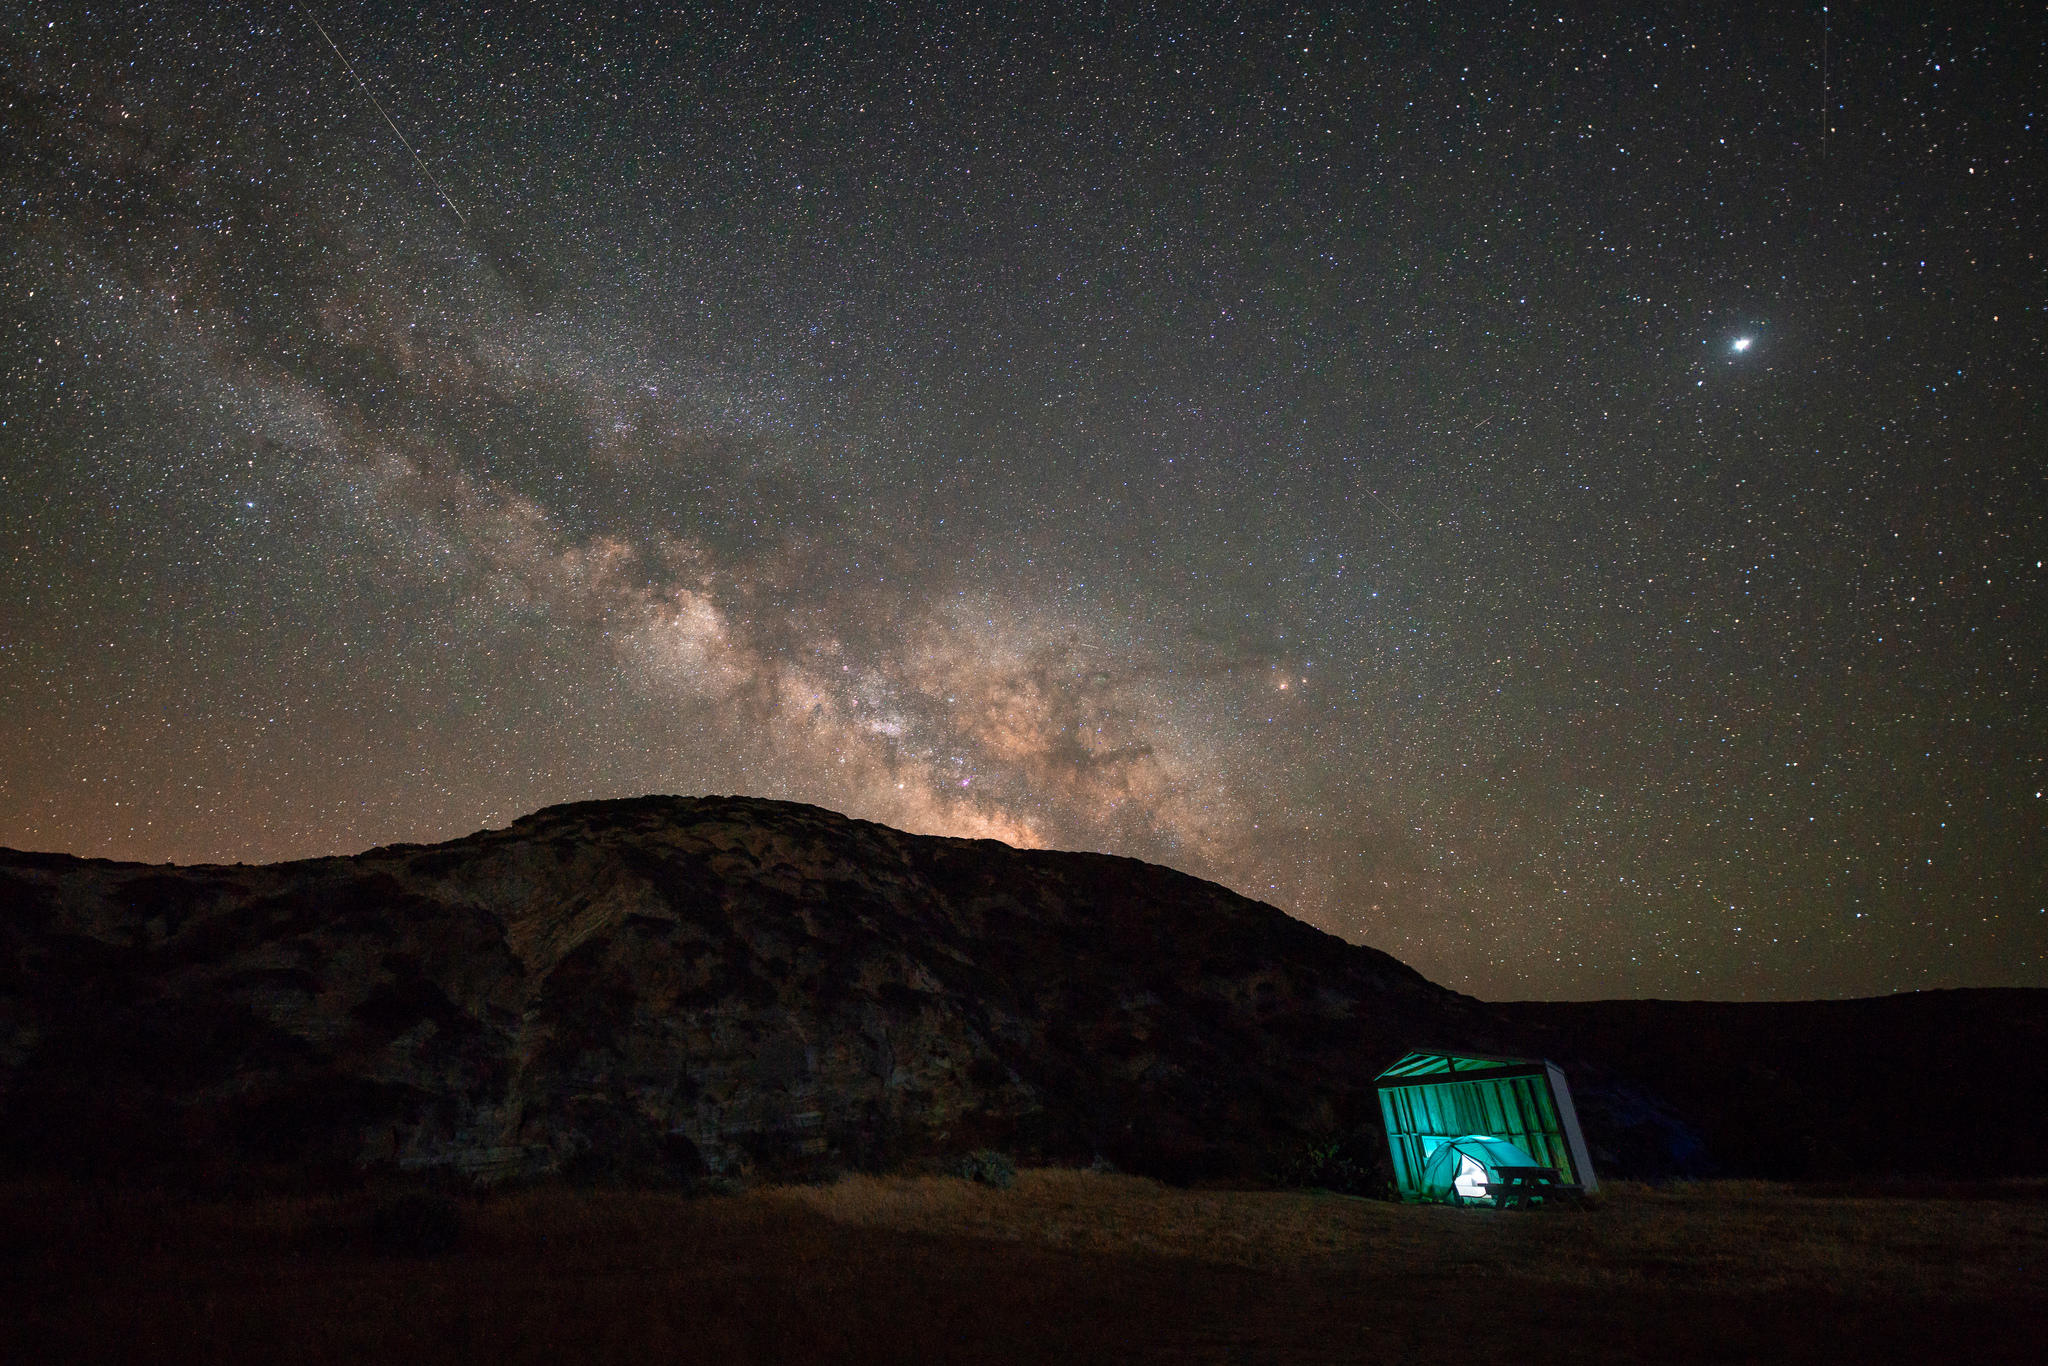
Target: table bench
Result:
[[1525, 1186]]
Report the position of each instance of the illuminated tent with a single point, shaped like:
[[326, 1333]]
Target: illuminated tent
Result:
[[1458, 1171], [1434, 1096]]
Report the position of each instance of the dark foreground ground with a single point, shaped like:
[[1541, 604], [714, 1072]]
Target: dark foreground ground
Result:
[[1067, 1266]]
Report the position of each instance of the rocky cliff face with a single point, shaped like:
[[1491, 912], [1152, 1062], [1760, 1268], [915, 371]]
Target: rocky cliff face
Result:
[[666, 988]]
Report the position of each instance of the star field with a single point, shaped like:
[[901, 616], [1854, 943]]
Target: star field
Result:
[[1486, 479]]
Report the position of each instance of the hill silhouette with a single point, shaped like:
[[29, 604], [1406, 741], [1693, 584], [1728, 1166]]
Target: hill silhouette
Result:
[[690, 990]]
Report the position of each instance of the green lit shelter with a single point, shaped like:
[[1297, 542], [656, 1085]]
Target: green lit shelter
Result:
[[1434, 1096]]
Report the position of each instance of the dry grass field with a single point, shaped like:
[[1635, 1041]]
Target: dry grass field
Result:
[[1065, 1266]]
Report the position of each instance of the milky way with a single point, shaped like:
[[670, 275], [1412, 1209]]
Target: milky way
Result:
[[1476, 477]]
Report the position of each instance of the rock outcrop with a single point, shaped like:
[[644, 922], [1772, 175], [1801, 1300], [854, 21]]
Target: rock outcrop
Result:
[[670, 989]]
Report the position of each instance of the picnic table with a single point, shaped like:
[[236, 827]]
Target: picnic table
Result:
[[1525, 1186]]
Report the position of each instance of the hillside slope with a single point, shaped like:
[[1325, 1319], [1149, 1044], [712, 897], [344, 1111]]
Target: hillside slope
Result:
[[1935, 1083], [666, 987]]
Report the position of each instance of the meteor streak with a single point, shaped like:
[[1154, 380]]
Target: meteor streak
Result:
[[371, 96]]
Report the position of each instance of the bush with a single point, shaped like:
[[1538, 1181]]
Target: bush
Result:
[[1334, 1165], [990, 1169], [416, 1225]]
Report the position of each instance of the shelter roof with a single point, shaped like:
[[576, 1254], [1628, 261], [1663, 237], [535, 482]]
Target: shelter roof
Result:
[[1436, 1062]]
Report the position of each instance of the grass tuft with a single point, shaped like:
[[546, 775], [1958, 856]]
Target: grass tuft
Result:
[[989, 1169]]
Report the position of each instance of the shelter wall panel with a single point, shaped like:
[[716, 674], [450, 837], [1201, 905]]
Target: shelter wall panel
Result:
[[1438, 1097], [1520, 1109]]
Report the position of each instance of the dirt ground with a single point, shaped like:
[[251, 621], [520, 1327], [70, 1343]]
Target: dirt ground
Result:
[[1066, 1266]]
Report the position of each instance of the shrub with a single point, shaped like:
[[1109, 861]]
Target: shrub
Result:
[[989, 1168], [1334, 1165]]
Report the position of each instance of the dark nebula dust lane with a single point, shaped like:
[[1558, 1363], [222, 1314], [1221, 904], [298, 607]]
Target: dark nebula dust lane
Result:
[[1477, 477]]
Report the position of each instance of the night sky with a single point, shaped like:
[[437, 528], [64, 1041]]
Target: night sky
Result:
[[1492, 480]]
